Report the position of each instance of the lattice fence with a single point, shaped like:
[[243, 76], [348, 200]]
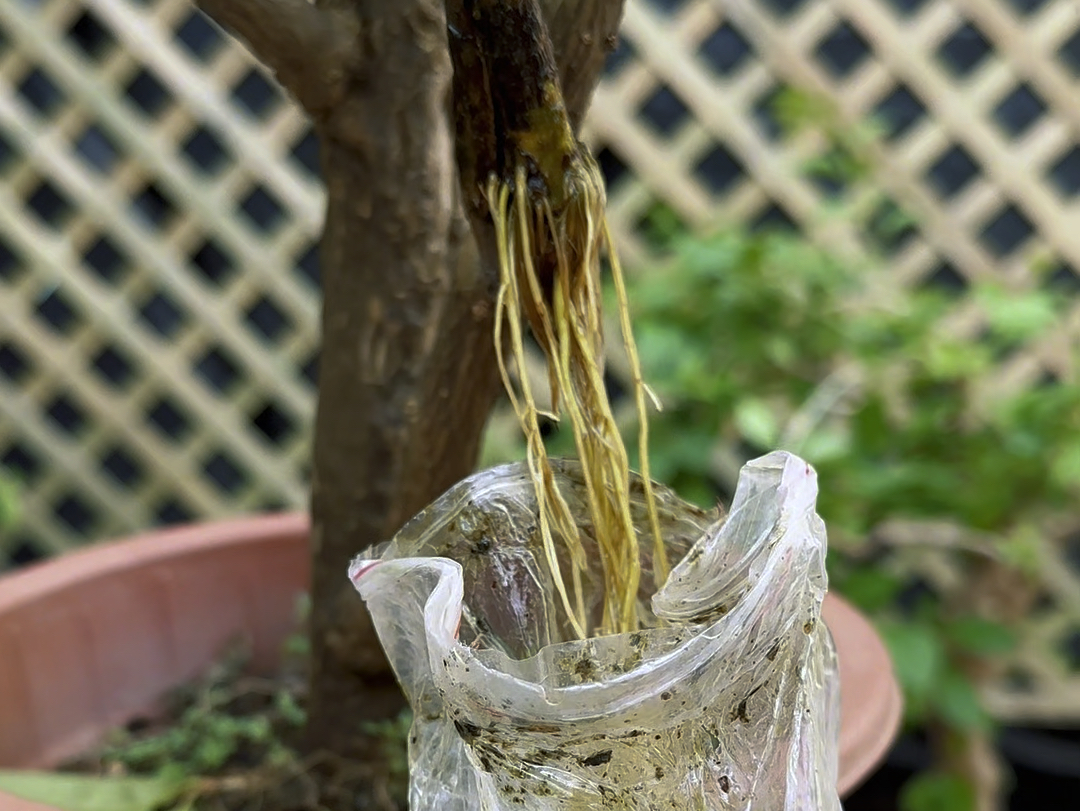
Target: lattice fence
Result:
[[159, 205], [158, 218]]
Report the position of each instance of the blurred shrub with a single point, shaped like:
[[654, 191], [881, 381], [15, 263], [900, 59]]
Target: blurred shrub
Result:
[[754, 338], [758, 341]]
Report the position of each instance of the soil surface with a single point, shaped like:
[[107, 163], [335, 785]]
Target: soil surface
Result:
[[238, 737]]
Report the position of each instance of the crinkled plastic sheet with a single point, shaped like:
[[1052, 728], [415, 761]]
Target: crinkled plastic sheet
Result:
[[726, 699]]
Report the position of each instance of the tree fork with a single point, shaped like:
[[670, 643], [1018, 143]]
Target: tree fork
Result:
[[408, 372]]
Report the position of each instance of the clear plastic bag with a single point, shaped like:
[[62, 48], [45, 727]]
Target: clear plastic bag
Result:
[[726, 699]]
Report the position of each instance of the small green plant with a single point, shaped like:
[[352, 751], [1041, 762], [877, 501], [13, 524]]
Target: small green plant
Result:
[[224, 721], [205, 738], [9, 507], [83, 792], [228, 717], [730, 337]]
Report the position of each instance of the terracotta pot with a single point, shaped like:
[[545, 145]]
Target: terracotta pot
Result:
[[92, 638]]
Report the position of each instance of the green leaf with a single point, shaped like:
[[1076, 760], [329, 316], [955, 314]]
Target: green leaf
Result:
[[870, 589], [757, 423], [826, 444], [918, 656], [10, 506], [77, 792], [147, 751], [256, 729], [1065, 466], [937, 792], [950, 359], [298, 645], [663, 224], [289, 709], [981, 637], [1018, 316], [1023, 549], [214, 752], [958, 703], [174, 773]]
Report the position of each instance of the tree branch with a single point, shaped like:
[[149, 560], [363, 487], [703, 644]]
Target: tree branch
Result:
[[524, 72], [309, 49]]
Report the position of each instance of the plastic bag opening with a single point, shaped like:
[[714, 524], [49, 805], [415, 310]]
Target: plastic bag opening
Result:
[[726, 699]]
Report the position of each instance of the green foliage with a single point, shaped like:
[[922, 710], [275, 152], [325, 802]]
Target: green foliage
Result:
[[753, 343], [919, 659], [742, 330], [742, 335], [731, 305], [957, 704], [937, 792], [980, 637], [77, 792], [224, 719], [288, 709], [729, 336], [920, 448], [872, 589], [932, 684], [202, 742]]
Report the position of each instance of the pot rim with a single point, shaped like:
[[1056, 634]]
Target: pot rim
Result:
[[86, 564]]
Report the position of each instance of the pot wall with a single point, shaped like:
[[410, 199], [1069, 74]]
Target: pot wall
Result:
[[91, 639]]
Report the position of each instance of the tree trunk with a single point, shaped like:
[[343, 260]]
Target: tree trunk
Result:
[[407, 374]]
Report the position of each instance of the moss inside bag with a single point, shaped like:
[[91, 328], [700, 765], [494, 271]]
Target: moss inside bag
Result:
[[553, 657]]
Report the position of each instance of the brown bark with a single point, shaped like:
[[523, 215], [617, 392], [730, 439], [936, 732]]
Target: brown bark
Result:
[[309, 49], [401, 403], [407, 373]]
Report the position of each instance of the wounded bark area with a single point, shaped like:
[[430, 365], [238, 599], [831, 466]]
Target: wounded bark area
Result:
[[408, 373]]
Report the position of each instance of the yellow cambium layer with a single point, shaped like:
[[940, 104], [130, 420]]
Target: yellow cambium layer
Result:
[[566, 315]]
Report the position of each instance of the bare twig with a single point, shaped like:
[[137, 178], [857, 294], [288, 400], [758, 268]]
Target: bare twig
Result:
[[308, 48]]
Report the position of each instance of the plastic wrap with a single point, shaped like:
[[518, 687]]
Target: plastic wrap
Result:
[[727, 698]]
